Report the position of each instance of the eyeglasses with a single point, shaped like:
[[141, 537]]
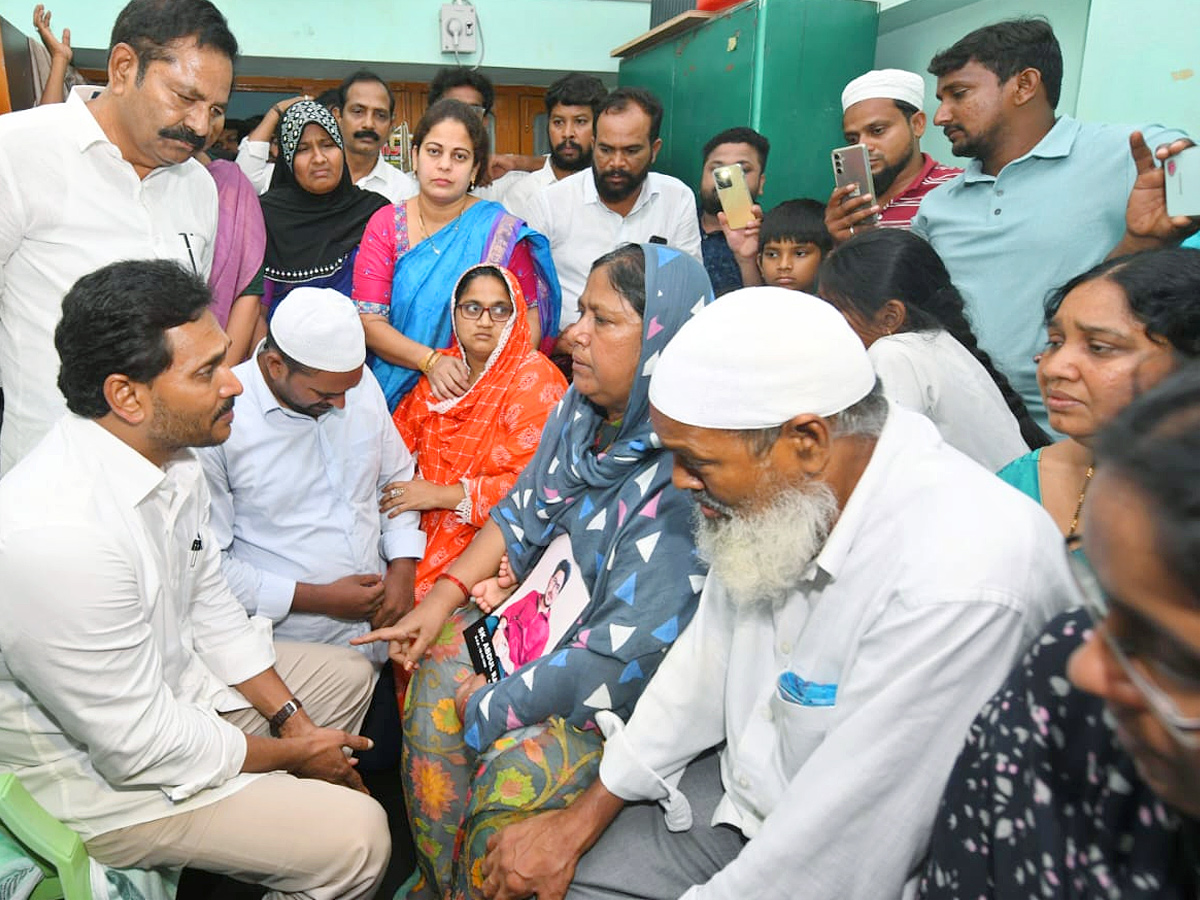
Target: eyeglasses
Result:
[[1143, 672], [480, 111], [497, 313]]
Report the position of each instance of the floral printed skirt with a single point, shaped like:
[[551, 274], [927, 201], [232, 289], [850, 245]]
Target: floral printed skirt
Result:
[[456, 801]]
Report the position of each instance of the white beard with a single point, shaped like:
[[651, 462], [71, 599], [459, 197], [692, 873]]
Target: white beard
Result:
[[759, 557]]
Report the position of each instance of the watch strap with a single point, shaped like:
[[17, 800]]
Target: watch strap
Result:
[[289, 709]]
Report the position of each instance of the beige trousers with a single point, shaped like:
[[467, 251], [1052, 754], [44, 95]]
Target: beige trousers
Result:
[[297, 837]]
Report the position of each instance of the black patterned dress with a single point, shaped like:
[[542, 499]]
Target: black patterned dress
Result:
[[1044, 802]]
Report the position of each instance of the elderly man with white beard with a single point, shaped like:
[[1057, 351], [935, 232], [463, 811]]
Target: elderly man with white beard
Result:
[[869, 588]]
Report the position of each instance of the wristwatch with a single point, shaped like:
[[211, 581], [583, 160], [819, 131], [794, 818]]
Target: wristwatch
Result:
[[286, 711]]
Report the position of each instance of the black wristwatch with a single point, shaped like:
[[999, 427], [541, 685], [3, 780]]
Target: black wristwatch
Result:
[[286, 711]]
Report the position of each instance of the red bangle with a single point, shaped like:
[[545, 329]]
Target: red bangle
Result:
[[458, 584]]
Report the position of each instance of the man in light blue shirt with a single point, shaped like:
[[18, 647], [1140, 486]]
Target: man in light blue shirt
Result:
[[296, 488], [1042, 198]]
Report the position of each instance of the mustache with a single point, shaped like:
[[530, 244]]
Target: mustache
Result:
[[366, 133], [182, 133], [226, 407], [568, 143], [704, 498]]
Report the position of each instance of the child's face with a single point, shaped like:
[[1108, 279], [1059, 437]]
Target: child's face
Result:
[[790, 265]]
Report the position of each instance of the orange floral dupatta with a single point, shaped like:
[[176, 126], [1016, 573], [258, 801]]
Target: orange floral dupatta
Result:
[[482, 439]]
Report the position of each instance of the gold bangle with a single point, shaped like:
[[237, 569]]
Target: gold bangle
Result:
[[430, 362]]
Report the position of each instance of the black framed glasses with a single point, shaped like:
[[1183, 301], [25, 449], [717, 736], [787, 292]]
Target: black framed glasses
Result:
[[501, 312], [1145, 673]]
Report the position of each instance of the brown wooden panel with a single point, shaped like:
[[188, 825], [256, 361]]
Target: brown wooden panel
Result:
[[506, 113], [16, 69], [532, 106]]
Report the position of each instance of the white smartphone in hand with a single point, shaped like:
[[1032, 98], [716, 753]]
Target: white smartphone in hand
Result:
[[1183, 183]]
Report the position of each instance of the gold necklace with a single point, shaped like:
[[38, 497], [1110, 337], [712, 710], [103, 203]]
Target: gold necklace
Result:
[[1087, 479], [429, 235]]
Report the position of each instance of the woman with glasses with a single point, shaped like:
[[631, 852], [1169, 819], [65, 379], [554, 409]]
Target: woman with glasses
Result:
[[1142, 590], [471, 448], [413, 253], [1081, 777]]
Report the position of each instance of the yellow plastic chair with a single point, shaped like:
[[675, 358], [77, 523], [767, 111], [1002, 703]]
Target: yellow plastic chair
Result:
[[56, 849]]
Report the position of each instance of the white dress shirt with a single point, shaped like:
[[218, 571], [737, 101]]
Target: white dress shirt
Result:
[[70, 204], [518, 200], [581, 228], [499, 189], [932, 583], [254, 159], [118, 635], [296, 499], [932, 373], [386, 179]]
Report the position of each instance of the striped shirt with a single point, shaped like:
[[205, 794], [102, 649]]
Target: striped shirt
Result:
[[900, 212]]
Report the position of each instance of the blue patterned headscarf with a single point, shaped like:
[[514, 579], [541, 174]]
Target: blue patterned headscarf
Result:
[[566, 481], [630, 532]]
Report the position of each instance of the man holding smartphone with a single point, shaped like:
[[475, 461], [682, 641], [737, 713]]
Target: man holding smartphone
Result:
[[883, 111], [1043, 198], [743, 147]]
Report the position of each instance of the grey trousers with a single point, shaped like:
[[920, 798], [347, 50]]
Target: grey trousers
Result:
[[298, 837], [637, 857]]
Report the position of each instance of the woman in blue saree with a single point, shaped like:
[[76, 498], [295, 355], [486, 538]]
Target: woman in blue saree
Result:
[[413, 253]]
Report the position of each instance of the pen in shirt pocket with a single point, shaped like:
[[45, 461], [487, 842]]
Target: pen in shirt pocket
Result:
[[187, 242], [806, 693], [197, 546]]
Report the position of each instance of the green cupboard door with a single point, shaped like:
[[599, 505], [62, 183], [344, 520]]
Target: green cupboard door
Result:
[[714, 87], [654, 70], [810, 50]]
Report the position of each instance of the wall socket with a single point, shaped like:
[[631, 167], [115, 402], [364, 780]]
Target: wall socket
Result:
[[458, 22]]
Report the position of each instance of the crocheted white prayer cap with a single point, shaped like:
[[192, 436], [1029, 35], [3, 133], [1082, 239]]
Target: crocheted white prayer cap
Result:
[[886, 84], [758, 357], [320, 328]]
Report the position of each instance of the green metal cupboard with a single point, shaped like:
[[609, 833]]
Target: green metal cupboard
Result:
[[778, 66]]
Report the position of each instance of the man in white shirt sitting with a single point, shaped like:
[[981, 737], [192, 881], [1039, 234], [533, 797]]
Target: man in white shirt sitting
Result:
[[136, 697], [102, 178], [618, 201], [869, 588], [297, 487]]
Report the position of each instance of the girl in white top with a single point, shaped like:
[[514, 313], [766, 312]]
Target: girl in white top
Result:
[[896, 294]]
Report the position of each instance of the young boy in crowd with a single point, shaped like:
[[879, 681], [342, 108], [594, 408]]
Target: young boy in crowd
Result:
[[791, 244]]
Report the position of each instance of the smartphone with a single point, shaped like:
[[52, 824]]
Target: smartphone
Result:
[[734, 195], [852, 165], [1183, 183]]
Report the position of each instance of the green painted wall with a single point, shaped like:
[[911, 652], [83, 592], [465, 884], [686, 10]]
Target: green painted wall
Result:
[[553, 35], [1142, 63], [912, 45]]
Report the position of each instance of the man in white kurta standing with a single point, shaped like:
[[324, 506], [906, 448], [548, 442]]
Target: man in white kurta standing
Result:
[[92, 181]]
